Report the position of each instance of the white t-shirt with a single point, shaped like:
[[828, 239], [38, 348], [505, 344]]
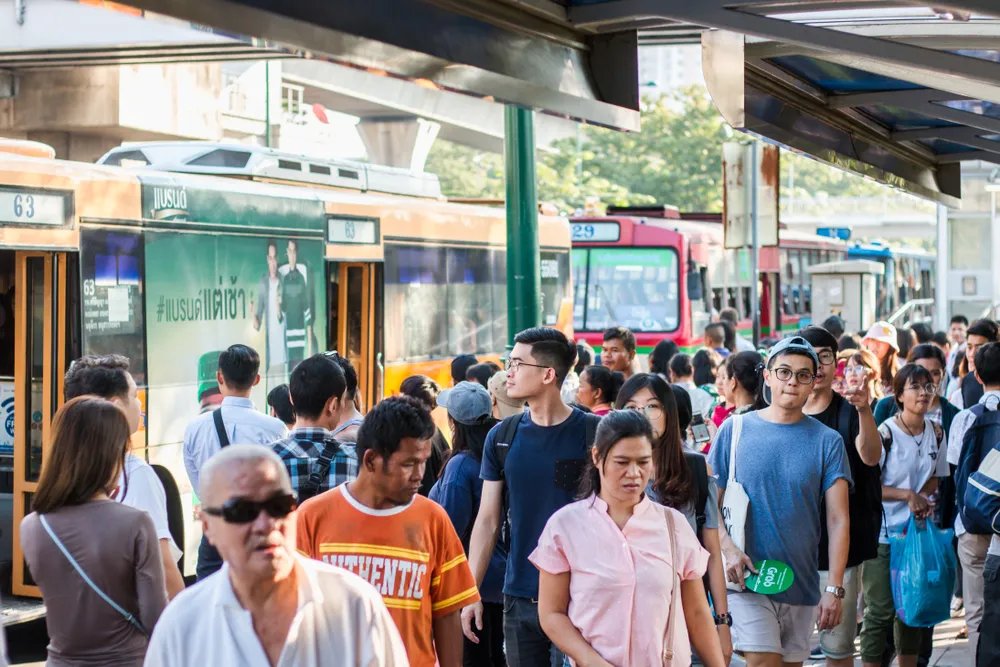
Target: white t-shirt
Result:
[[341, 620], [145, 492], [701, 400], [275, 328], [911, 462]]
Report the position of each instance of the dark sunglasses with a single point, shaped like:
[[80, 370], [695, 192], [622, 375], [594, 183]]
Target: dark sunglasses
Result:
[[241, 510]]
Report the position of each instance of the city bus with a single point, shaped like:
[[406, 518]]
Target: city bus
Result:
[[665, 274], [910, 274], [168, 253]]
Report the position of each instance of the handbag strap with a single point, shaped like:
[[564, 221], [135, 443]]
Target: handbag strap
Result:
[[220, 428], [734, 444], [668, 640], [76, 566]]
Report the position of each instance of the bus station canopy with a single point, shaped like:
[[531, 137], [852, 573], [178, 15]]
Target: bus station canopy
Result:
[[898, 91]]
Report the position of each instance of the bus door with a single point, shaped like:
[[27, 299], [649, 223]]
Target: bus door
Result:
[[356, 323], [39, 307]]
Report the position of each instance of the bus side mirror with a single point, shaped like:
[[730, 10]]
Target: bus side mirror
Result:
[[694, 286]]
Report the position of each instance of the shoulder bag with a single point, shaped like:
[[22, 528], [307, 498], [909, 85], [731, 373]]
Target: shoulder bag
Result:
[[736, 502], [668, 639], [90, 582]]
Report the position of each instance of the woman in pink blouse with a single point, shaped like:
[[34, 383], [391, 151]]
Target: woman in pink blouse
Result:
[[610, 569]]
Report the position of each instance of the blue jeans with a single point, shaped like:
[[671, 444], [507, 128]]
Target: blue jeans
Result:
[[988, 651], [527, 644], [209, 560]]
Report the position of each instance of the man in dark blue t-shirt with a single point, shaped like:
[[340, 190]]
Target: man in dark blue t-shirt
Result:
[[541, 470]]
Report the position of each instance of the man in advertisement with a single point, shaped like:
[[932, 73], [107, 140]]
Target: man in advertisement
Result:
[[296, 307], [268, 314]]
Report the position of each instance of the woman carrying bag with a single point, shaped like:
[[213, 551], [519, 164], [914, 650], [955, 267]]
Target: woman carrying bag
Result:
[[96, 561], [640, 604]]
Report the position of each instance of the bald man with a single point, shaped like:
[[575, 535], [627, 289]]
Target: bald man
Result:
[[243, 614]]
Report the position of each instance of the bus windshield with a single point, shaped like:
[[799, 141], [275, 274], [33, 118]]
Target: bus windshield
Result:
[[633, 287]]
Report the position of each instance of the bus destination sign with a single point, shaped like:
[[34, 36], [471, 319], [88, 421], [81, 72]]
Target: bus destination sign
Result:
[[595, 232], [20, 207], [347, 229]]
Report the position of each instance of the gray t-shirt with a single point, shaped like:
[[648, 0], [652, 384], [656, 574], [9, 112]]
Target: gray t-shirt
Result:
[[785, 470], [690, 511], [116, 546]]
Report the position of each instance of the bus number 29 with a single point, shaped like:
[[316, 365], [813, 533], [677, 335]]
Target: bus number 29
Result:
[[24, 206], [583, 232]]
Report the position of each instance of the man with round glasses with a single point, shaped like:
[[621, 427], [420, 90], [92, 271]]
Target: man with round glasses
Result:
[[268, 605], [851, 416], [787, 464]]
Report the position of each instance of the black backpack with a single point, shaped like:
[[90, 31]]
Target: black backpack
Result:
[[504, 441], [981, 438]]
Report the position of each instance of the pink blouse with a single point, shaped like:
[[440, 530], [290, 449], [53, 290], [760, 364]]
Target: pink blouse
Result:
[[621, 584]]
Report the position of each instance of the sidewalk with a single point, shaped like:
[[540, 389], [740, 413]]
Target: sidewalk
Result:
[[948, 651]]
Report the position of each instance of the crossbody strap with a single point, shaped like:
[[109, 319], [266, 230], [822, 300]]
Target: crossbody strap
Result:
[[737, 432], [220, 428], [320, 468], [76, 566], [668, 640]]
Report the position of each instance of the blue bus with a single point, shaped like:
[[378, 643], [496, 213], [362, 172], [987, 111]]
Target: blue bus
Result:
[[910, 273]]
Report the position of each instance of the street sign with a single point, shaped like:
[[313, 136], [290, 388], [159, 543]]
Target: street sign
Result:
[[737, 204], [842, 233]]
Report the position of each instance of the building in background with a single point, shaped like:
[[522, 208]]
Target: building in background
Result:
[[664, 69]]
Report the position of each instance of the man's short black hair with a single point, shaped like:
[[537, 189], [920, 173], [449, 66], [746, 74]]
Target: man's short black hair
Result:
[[280, 401], [716, 332], [988, 329], [239, 365], [105, 376], [988, 364], [624, 334], [681, 366], [388, 423], [923, 331], [460, 365], [820, 337], [481, 373], [350, 374], [550, 347], [941, 338], [960, 319], [314, 382]]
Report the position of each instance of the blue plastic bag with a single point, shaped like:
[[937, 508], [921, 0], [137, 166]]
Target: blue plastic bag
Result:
[[922, 570]]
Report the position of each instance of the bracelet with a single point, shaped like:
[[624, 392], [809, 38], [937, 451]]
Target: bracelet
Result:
[[723, 619]]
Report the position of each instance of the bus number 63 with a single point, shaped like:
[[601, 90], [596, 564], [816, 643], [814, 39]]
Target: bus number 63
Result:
[[24, 206]]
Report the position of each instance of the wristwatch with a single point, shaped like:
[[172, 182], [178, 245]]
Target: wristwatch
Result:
[[723, 619], [837, 591]]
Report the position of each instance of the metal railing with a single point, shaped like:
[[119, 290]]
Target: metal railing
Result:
[[907, 307]]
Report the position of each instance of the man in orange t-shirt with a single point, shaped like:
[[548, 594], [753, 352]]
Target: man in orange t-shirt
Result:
[[401, 543]]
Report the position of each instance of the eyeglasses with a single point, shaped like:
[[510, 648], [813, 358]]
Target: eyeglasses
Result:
[[826, 357], [243, 510], [650, 411], [928, 388], [785, 374], [515, 364]]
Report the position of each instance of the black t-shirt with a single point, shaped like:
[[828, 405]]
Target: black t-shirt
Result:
[[866, 497]]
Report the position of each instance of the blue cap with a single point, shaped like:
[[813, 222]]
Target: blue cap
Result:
[[791, 345], [467, 403]]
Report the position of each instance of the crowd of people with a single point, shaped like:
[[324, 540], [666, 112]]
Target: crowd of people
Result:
[[577, 513]]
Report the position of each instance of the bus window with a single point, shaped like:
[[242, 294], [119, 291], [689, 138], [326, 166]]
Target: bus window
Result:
[[498, 286], [470, 313], [555, 286], [579, 273], [785, 276], [795, 279], [416, 292], [717, 299], [633, 287], [747, 309], [732, 298]]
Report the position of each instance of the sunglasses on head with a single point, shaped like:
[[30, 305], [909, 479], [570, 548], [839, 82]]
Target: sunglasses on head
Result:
[[242, 510]]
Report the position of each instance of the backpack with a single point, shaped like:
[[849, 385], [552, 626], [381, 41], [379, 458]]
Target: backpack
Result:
[[699, 470], [504, 441], [975, 488]]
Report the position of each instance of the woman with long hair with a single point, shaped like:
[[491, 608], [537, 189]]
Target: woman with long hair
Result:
[[426, 391], [741, 384], [599, 388], [459, 491], [646, 603], [76, 529], [681, 480], [659, 358], [882, 341]]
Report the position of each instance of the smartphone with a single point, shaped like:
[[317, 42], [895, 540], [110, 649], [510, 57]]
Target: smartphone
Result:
[[699, 429]]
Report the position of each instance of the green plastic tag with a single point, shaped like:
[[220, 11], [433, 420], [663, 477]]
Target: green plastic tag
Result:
[[775, 577]]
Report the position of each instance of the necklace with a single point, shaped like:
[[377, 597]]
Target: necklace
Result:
[[920, 442]]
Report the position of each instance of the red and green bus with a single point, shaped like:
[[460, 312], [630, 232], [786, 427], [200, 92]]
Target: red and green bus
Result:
[[664, 274]]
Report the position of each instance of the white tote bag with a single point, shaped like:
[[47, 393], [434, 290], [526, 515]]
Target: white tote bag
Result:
[[736, 502]]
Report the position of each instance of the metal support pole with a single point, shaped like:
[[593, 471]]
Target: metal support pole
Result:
[[267, 103], [523, 280], [754, 243], [942, 305]]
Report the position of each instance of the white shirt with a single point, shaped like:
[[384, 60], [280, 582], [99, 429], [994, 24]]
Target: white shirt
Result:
[[744, 345], [569, 388], [275, 327], [960, 425], [909, 467], [341, 620], [701, 400], [144, 491], [245, 425]]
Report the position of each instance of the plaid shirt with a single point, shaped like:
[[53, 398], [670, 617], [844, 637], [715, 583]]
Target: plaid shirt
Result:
[[301, 450]]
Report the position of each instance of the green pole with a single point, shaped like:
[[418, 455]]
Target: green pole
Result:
[[523, 280], [267, 103]]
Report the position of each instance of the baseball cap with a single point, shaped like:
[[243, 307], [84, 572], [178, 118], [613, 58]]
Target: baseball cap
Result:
[[467, 403], [885, 332], [498, 389], [791, 345]]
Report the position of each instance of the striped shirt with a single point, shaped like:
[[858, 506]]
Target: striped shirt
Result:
[[300, 452]]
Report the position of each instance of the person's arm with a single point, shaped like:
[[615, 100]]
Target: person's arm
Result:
[[553, 615], [171, 574], [700, 625], [717, 586], [920, 507], [481, 545], [150, 587], [448, 639], [838, 524], [868, 443]]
